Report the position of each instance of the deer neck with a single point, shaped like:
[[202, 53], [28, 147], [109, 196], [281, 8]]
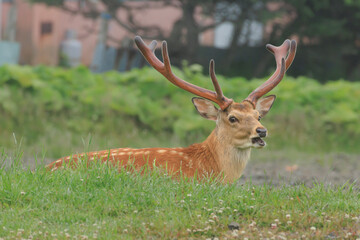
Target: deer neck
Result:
[[230, 160]]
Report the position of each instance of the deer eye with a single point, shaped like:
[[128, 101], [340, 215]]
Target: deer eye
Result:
[[233, 119]]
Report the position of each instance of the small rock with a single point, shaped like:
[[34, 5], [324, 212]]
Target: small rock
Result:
[[234, 226], [331, 235]]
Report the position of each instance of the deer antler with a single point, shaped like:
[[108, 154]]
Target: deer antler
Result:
[[165, 69], [281, 67]]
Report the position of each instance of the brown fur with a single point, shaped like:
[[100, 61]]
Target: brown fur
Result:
[[225, 152]]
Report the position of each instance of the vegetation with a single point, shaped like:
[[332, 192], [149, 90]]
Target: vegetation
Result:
[[97, 201], [322, 25], [52, 109], [188, 26], [327, 31]]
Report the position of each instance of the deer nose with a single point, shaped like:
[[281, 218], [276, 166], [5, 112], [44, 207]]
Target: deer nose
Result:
[[261, 132]]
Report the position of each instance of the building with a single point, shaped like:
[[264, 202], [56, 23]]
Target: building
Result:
[[41, 29]]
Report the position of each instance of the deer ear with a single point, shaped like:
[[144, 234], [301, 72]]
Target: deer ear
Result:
[[264, 104], [206, 108]]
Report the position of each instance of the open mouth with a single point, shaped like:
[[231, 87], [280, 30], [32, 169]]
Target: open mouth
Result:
[[259, 141]]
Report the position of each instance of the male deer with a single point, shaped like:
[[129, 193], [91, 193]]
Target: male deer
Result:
[[238, 129]]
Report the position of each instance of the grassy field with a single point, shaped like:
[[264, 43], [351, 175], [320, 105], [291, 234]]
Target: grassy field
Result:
[[100, 203], [48, 113]]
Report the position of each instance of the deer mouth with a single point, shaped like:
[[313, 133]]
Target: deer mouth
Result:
[[258, 141]]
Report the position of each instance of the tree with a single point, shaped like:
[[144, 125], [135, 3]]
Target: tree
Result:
[[186, 32], [330, 25], [241, 14], [187, 26]]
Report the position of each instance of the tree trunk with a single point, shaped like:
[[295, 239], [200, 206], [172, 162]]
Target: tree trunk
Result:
[[231, 51], [192, 32], [184, 37]]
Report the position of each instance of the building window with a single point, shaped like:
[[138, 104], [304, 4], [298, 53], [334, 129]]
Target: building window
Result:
[[46, 28]]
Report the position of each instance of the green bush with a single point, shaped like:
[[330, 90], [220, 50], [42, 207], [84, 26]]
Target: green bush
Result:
[[306, 114]]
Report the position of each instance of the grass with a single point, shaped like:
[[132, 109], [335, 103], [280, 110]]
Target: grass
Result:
[[100, 202], [59, 141]]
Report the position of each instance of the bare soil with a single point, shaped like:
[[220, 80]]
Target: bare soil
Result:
[[293, 168]]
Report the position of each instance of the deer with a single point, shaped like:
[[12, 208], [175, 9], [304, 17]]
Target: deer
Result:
[[226, 151]]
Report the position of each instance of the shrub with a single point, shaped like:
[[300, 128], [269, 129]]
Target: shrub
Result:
[[306, 114]]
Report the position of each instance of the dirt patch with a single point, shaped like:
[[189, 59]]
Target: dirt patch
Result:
[[294, 168]]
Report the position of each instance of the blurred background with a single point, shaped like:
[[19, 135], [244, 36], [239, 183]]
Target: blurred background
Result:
[[71, 79]]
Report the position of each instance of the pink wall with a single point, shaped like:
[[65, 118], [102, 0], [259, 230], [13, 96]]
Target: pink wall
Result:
[[4, 15], [44, 49], [24, 33]]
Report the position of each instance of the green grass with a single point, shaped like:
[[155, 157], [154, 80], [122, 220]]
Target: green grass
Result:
[[100, 202]]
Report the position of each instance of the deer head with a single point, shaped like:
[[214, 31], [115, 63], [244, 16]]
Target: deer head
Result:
[[237, 124]]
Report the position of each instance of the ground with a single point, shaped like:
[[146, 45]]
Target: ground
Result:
[[293, 167]]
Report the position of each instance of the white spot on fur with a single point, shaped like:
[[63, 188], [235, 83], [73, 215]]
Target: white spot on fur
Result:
[[161, 151], [180, 153], [173, 152], [60, 160], [147, 152], [190, 163], [122, 153]]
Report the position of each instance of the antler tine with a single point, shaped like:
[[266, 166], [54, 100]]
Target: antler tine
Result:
[[166, 58], [219, 93], [148, 53], [152, 45], [280, 55], [165, 69], [291, 55]]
